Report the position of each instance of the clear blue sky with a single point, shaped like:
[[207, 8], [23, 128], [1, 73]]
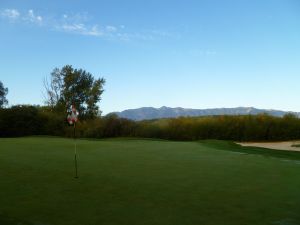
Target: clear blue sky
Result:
[[192, 53]]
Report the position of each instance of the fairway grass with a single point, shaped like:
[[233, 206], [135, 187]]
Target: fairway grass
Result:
[[146, 182]]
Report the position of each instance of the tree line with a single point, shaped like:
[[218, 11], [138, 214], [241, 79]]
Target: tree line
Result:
[[68, 86], [35, 120]]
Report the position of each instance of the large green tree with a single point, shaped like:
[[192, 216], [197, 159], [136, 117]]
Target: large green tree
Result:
[[68, 86], [3, 93]]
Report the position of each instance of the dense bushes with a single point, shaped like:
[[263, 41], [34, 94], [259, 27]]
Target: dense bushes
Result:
[[238, 128], [30, 120], [19, 121]]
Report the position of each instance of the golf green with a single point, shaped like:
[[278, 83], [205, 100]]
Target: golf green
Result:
[[146, 182]]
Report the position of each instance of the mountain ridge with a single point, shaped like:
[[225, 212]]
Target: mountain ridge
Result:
[[148, 113]]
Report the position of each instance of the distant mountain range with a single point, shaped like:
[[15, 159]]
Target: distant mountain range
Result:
[[148, 113]]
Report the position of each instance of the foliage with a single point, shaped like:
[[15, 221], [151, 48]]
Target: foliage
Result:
[[20, 121], [69, 86], [3, 93], [30, 120]]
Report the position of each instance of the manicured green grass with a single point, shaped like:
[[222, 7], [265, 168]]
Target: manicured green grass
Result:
[[146, 182]]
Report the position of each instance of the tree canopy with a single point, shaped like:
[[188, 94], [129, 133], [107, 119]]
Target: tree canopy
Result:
[[68, 86], [3, 93]]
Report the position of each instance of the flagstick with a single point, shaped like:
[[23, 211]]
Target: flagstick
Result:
[[75, 151]]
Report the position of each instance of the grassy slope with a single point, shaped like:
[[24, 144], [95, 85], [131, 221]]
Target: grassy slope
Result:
[[138, 182]]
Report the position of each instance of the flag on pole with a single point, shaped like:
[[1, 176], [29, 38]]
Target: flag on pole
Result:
[[73, 116]]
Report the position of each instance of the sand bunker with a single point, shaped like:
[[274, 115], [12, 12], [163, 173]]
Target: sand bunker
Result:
[[285, 145]]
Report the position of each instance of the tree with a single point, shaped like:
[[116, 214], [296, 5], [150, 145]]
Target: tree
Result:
[[3, 93], [53, 88], [69, 86]]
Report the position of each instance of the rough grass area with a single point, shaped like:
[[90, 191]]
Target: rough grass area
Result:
[[146, 182], [295, 145]]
